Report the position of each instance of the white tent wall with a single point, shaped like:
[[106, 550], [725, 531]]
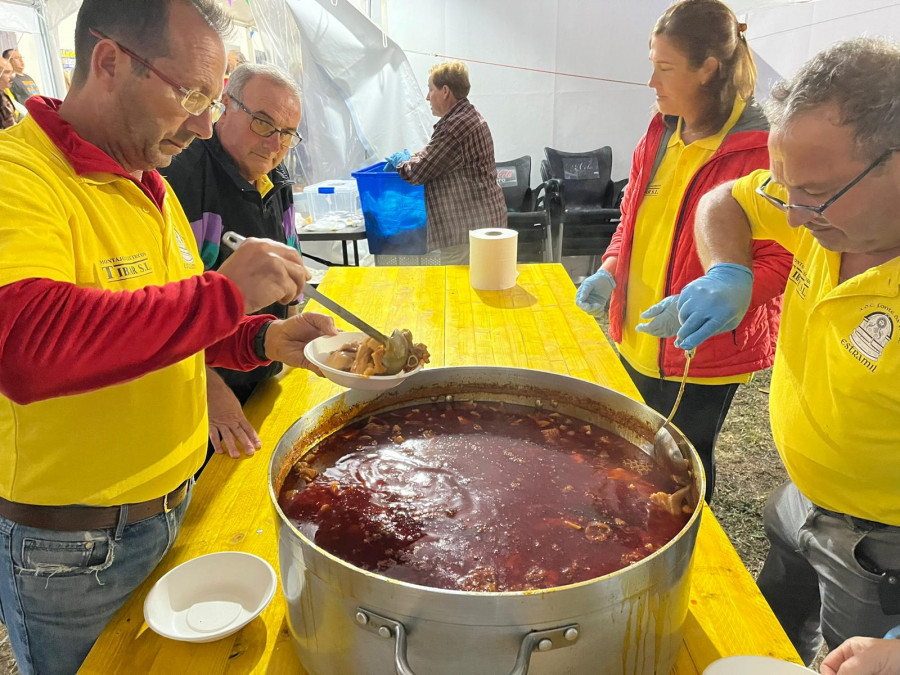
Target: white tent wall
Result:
[[528, 110], [28, 20], [601, 39], [786, 36]]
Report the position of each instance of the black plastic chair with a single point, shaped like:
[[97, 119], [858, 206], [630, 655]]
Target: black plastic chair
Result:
[[584, 209], [525, 210]]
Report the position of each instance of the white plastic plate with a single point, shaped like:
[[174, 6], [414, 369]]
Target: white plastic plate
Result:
[[753, 665], [210, 597]]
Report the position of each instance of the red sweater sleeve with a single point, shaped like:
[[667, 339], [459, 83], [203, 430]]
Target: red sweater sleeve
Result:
[[58, 339], [235, 351], [771, 267]]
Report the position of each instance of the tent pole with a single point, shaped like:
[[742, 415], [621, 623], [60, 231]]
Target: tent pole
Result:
[[51, 51]]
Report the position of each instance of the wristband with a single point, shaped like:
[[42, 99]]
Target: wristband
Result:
[[259, 342]]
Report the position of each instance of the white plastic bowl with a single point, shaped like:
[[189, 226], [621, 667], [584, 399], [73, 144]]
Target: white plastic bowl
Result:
[[210, 597], [754, 665], [319, 349]]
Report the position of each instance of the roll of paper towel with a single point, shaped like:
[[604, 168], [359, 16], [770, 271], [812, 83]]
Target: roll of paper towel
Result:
[[492, 258]]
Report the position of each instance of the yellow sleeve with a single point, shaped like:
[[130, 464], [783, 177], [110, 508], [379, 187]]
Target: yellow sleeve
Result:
[[35, 233], [766, 221]]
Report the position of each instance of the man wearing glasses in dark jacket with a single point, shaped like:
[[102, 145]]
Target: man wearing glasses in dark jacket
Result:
[[236, 181]]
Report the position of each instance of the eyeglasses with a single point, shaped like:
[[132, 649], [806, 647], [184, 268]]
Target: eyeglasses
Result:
[[194, 102], [819, 211], [261, 127]]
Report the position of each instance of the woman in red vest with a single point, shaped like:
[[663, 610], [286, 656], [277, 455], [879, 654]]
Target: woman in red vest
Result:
[[707, 130]]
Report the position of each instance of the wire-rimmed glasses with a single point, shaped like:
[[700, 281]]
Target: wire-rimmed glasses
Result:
[[195, 102], [818, 212], [264, 128]]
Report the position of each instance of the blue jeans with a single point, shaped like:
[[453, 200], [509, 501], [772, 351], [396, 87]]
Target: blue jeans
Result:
[[58, 590], [815, 576]]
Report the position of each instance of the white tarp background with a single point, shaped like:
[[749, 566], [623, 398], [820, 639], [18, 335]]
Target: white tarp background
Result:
[[363, 101], [18, 18], [603, 39], [30, 17], [789, 34], [360, 95]]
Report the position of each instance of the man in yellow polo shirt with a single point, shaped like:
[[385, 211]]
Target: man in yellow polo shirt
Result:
[[834, 564], [107, 321]]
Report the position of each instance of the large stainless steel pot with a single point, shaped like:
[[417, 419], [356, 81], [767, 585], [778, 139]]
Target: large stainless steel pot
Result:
[[347, 621]]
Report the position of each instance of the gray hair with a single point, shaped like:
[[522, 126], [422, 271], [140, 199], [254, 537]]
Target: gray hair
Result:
[[247, 71], [861, 78]]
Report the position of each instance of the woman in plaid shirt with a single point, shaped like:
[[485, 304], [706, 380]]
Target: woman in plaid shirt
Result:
[[456, 167]]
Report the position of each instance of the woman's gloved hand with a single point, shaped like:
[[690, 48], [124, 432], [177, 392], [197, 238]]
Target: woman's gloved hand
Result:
[[395, 159], [663, 318], [594, 293]]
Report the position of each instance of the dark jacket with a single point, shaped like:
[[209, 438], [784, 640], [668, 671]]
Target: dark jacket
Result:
[[751, 346], [216, 199]]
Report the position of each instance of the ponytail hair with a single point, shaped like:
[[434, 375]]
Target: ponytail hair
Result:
[[700, 29]]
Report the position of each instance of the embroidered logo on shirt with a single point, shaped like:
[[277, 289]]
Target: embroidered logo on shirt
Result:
[[185, 253], [872, 334], [870, 337], [652, 190], [125, 267], [799, 278]]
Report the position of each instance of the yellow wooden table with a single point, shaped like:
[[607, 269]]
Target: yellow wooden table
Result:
[[534, 325]]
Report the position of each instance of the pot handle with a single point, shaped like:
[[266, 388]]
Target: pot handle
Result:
[[540, 640]]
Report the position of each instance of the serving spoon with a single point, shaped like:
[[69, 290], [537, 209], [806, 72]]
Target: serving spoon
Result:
[[396, 347], [659, 438]]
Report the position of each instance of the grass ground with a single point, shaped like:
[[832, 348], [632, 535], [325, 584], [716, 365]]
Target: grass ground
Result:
[[748, 470]]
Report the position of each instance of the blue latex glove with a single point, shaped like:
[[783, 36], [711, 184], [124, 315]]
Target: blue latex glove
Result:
[[663, 318], [395, 159], [594, 293], [713, 304]]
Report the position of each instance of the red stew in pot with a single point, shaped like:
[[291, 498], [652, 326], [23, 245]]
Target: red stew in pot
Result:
[[483, 497]]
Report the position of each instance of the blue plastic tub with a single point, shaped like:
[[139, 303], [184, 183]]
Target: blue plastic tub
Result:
[[394, 212]]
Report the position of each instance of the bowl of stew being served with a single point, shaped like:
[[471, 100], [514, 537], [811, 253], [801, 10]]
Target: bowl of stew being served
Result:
[[352, 359]]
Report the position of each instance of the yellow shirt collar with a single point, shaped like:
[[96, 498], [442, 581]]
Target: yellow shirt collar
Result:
[[713, 142], [264, 184]]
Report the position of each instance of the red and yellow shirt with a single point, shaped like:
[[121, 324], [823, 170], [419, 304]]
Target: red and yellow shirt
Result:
[[652, 245], [73, 219]]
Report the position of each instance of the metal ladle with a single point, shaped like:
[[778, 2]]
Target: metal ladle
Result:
[[396, 347], [659, 438]]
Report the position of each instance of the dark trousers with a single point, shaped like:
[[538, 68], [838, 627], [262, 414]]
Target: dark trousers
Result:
[[700, 415], [824, 573]]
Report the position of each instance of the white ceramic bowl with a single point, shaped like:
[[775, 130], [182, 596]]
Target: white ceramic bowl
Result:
[[754, 665], [210, 597], [319, 349]]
